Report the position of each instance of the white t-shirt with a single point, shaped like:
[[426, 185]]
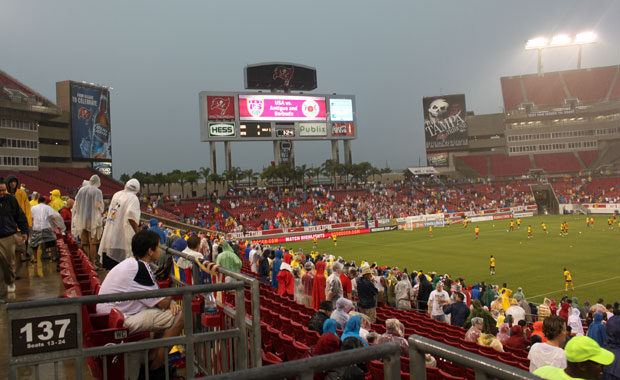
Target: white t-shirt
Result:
[[435, 299], [44, 217], [183, 263], [130, 275], [542, 354], [254, 256]]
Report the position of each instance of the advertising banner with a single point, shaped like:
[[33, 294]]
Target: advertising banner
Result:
[[343, 129], [444, 123], [282, 107], [221, 129], [312, 129], [220, 107], [289, 239], [437, 159], [90, 123], [341, 109], [104, 168]]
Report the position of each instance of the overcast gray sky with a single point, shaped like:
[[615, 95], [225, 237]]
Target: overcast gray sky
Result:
[[158, 55]]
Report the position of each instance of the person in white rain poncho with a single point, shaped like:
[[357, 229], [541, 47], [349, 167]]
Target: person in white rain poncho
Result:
[[120, 225], [87, 218]]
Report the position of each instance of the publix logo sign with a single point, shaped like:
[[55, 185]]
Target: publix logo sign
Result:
[[221, 129], [312, 129]]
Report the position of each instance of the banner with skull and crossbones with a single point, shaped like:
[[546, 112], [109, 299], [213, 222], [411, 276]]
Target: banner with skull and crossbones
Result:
[[445, 127]]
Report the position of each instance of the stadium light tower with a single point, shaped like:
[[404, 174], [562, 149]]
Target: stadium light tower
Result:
[[560, 40]]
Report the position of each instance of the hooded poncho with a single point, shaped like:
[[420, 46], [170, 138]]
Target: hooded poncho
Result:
[[55, 202], [352, 329], [318, 290], [612, 371], [596, 330], [275, 269], [88, 209], [286, 281], [341, 314], [574, 321], [517, 340], [228, 258], [478, 311], [117, 234]]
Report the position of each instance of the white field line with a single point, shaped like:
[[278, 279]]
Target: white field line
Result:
[[578, 286]]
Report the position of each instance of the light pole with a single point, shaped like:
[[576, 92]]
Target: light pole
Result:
[[560, 40]]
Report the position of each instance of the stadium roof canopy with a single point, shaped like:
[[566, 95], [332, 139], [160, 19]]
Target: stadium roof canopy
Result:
[[423, 170]]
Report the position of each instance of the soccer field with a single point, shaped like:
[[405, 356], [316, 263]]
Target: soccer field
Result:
[[591, 255]]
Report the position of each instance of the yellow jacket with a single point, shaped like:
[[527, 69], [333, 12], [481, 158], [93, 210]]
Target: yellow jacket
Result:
[[56, 203], [22, 199]]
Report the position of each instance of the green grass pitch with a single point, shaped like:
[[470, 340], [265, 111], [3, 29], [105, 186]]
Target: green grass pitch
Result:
[[591, 255]]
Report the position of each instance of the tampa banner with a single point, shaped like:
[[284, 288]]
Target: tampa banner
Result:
[[444, 123]]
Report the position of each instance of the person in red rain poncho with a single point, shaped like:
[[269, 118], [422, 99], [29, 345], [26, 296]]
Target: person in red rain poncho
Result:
[[286, 281], [318, 291]]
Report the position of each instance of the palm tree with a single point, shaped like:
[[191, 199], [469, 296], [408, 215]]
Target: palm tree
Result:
[[269, 173], [179, 177], [169, 179], [192, 177], [140, 177], [204, 174], [316, 172], [332, 168], [374, 171], [250, 175], [125, 177], [159, 179], [216, 179]]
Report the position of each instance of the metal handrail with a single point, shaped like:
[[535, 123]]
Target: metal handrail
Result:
[[254, 284], [304, 369], [485, 368]]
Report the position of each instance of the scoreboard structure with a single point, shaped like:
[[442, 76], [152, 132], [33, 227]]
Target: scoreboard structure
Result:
[[282, 118]]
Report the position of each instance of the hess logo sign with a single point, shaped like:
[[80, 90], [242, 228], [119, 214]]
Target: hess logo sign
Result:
[[221, 129]]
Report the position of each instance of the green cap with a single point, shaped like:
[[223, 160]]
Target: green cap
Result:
[[582, 348]]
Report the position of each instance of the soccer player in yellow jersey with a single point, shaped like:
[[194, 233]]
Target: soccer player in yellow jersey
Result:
[[561, 229], [477, 231], [591, 222], [587, 221], [568, 280], [544, 227], [518, 223], [512, 225], [430, 231], [529, 231], [566, 228], [492, 265], [315, 243], [335, 238], [609, 225], [465, 224]]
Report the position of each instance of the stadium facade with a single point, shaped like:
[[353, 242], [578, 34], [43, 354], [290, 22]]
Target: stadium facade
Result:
[[556, 123]]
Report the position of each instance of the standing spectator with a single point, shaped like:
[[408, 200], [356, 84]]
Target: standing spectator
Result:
[[56, 201], [403, 291], [307, 281], [154, 226], [121, 225], [275, 268], [367, 294], [263, 266], [318, 289], [549, 352], [12, 187], [333, 286], [65, 213], [516, 311], [346, 285], [87, 220], [478, 311], [436, 300], [574, 321], [458, 311], [228, 258], [544, 310], [44, 219], [596, 330], [424, 291], [12, 219], [612, 371], [286, 281], [254, 257]]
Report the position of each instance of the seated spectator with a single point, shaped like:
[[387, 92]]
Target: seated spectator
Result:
[[394, 333], [328, 343], [458, 311], [549, 353], [319, 318], [612, 371], [341, 314], [475, 330], [193, 244], [517, 339], [585, 360], [352, 329], [538, 331], [491, 341], [544, 310], [372, 338], [516, 311], [596, 330], [574, 322], [504, 333], [161, 316]]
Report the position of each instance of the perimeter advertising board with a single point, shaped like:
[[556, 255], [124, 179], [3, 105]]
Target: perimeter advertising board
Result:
[[445, 127], [90, 123]]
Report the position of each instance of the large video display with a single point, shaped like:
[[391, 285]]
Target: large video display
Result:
[[281, 107], [445, 127], [90, 123]]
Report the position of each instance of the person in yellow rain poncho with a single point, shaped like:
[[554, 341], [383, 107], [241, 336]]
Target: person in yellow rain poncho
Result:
[[55, 201]]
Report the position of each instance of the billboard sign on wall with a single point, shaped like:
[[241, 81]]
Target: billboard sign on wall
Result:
[[444, 123], [221, 129], [312, 129], [343, 129], [281, 108], [437, 159], [221, 107], [90, 123]]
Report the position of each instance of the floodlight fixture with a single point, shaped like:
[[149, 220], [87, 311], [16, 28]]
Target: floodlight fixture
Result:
[[585, 38], [536, 43], [560, 40]]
